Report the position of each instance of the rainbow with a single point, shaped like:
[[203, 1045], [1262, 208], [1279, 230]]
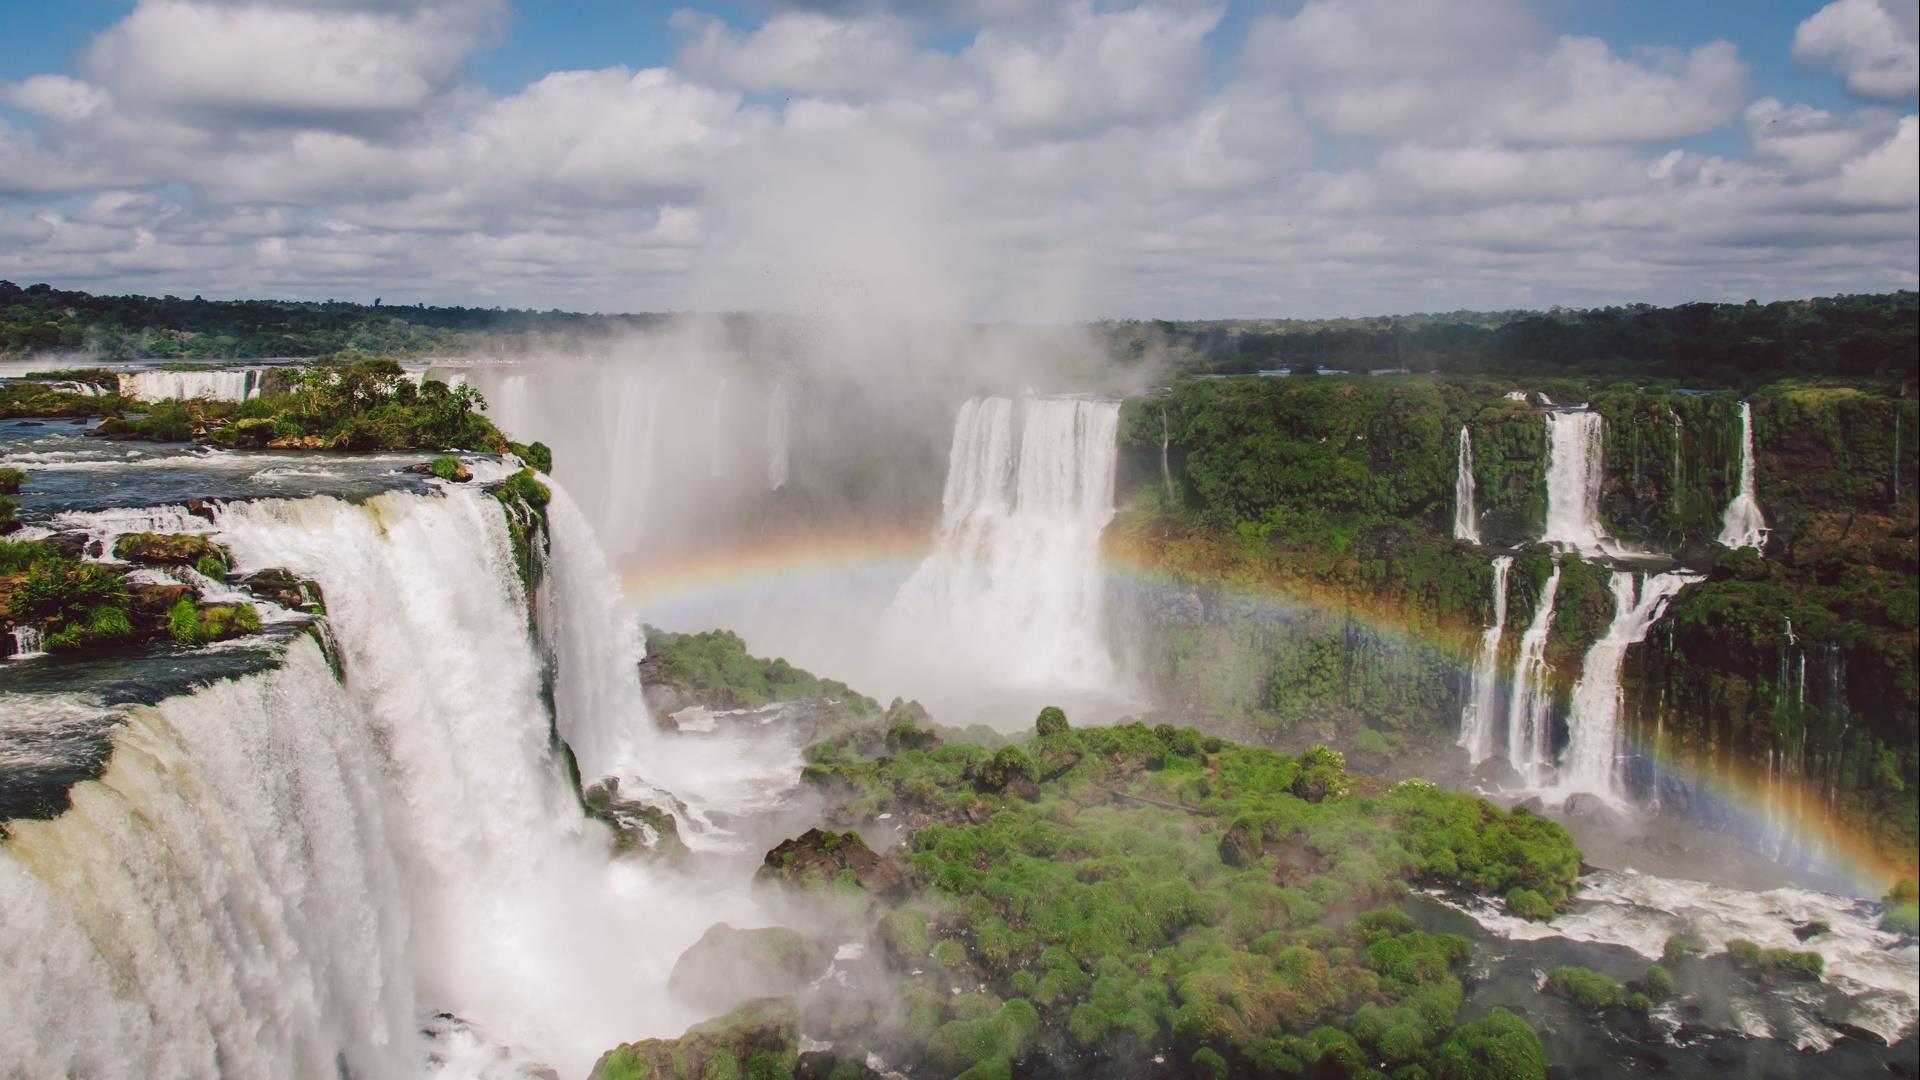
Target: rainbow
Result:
[[794, 565]]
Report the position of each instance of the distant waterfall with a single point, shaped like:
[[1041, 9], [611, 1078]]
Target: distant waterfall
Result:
[[1476, 718], [1466, 523], [1166, 466], [1529, 710], [287, 875], [1742, 526], [778, 425], [209, 384], [1014, 584], [1594, 719], [1575, 469]]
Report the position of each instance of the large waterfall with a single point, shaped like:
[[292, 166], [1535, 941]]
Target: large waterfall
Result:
[[284, 869], [1742, 526], [1466, 523], [1529, 709], [1575, 468], [1013, 591], [210, 384], [1593, 721], [1476, 717]]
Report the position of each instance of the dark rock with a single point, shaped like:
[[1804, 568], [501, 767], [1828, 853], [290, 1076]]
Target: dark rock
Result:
[[817, 857], [829, 1065], [1581, 806], [636, 826], [201, 508], [1811, 929], [1657, 845], [287, 589], [727, 966], [1497, 774], [760, 1038], [1239, 846], [1532, 805]]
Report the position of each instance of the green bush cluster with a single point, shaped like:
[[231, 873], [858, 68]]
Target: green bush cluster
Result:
[[1104, 899], [714, 666], [1776, 963], [1901, 911], [1584, 987], [80, 603], [196, 624]]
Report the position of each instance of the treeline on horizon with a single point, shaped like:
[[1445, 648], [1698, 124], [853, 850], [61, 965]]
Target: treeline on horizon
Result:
[[1866, 335]]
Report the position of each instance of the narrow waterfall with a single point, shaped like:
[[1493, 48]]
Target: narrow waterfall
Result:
[[286, 868], [1593, 721], [1476, 717], [1166, 466], [210, 384], [1466, 523], [1014, 584], [1742, 526], [1575, 468], [1530, 708], [778, 424]]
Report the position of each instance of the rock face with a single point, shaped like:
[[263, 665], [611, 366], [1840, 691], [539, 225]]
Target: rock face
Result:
[[758, 1039], [819, 856], [636, 826], [287, 589], [727, 966]]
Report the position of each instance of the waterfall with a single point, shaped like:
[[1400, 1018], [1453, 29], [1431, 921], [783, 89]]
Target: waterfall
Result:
[[27, 641], [1575, 469], [1593, 721], [1743, 527], [210, 384], [281, 869], [1166, 467], [1476, 718], [1014, 588], [1529, 708], [1466, 523], [778, 423]]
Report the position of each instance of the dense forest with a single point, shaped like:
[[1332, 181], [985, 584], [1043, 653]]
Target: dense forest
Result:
[[43, 319], [1723, 344]]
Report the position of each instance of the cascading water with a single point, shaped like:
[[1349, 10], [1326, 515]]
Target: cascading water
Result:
[[1575, 469], [778, 436], [1742, 526], [26, 643], [1529, 708], [222, 924], [1593, 721], [209, 384], [1466, 523], [1476, 718], [1014, 588]]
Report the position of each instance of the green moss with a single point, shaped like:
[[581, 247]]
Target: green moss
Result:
[[1528, 904], [1776, 963], [715, 668], [197, 624], [10, 480], [1584, 987], [1681, 946], [444, 467]]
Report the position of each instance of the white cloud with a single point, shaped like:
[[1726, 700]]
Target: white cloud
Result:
[[1870, 43], [55, 97], [804, 52], [1812, 142], [1581, 92]]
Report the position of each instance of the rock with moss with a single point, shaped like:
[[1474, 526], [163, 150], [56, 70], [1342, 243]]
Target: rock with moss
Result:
[[637, 826], [287, 589], [1776, 965], [822, 858], [760, 1040], [727, 966], [445, 467], [192, 623], [1584, 987], [1901, 911], [169, 549]]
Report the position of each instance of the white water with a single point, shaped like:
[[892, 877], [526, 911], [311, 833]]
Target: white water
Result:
[[1530, 707], [332, 865], [1466, 523], [1013, 591], [1593, 720], [1575, 468], [1476, 718], [778, 436], [1742, 526], [26, 643], [210, 384], [1640, 911]]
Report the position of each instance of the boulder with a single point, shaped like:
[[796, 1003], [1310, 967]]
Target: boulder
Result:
[[149, 607], [636, 826], [297, 442], [1240, 845], [287, 589], [1592, 809], [818, 857], [727, 966], [1497, 774], [760, 1038], [166, 549]]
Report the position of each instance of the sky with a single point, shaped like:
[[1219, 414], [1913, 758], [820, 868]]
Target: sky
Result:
[[979, 159]]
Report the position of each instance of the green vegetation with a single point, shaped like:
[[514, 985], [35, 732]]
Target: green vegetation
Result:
[[197, 624], [19, 397], [1681, 946], [79, 603], [757, 1041], [1776, 963], [714, 667], [1902, 913], [524, 499], [537, 455], [1584, 987], [1131, 891], [1871, 334], [10, 481]]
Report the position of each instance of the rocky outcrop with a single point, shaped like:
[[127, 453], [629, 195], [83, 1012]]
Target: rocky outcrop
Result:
[[637, 826], [727, 966], [287, 589], [758, 1039], [166, 549], [818, 857]]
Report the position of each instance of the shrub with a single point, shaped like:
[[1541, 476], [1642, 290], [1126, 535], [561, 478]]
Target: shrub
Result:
[[82, 603], [1498, 1046], [1681, 946], [1052, 721], [1009, 765], [1369, 741], [1527, 904], [10, 481], [536, 454], [444, 467], [1584, 987], [1902, 911]]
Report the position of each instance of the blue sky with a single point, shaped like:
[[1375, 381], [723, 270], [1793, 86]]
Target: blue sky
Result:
[[1130, 157]]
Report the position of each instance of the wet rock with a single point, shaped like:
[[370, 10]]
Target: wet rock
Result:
[[760, 1038], [1532, 805], [287, 589], [818, 857], [727, 966], [166, 549], [1657, 845], [636, 826], [1591, 809], [297, 442], [1497, 774], [1239, 845], [830, 1065], [201, 508], [1813, 929], [459, 475]]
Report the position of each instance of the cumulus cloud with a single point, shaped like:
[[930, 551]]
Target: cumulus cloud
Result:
[[1873, 44], [967, 158]]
